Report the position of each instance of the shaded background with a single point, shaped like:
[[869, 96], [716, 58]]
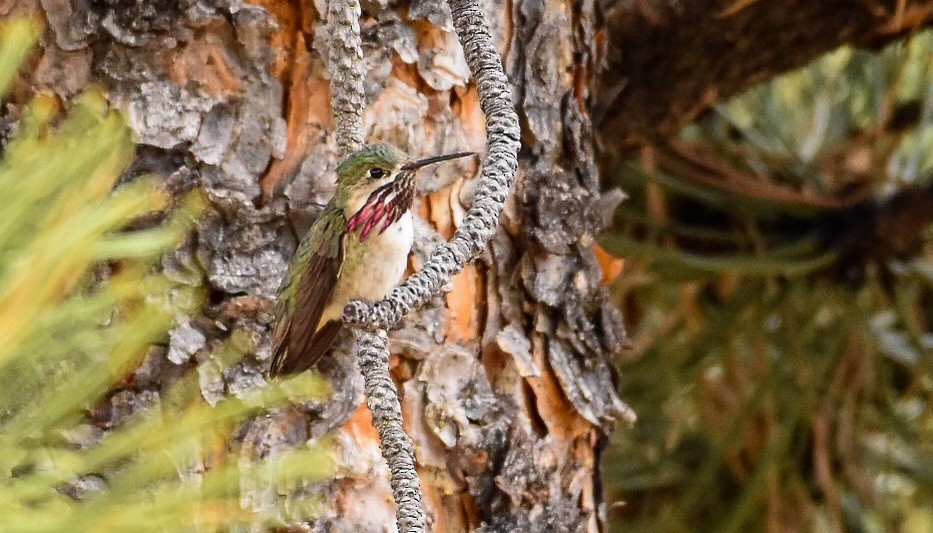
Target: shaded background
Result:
[[778, 288]]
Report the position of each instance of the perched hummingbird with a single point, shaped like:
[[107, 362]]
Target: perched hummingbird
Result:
[[357, 249]]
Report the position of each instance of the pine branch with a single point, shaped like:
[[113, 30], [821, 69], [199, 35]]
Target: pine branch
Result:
[[396, 445], [727, 47]]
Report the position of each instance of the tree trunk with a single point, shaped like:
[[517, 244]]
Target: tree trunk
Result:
[[505, 382]]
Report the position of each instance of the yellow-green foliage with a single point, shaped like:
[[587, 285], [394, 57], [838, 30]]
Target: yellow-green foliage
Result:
[[782, 375], [81, 300]]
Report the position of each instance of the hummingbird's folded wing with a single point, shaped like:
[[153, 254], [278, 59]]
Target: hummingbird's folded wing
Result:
[[298, 341]]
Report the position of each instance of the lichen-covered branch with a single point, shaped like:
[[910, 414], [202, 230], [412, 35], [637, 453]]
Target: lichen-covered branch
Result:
[[345, 63], [382, 399], [502, 142]]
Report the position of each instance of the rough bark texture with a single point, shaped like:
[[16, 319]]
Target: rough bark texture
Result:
[[670, 60], [505, 382]]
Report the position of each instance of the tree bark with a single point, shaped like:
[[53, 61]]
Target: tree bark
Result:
[[506, 385], [668, 61]]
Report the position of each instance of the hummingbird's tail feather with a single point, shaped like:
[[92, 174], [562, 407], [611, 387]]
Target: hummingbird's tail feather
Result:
[[285, 361]]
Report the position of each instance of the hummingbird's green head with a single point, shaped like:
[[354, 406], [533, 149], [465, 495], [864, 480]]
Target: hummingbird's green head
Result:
[[369, 167], [375, 184]]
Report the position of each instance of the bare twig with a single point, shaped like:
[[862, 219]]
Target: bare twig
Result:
[[370, 321]]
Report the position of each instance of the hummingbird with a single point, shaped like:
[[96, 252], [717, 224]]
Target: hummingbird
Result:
[[357, 249]]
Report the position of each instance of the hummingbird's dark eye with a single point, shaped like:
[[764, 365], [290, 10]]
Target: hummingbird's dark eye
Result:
[[376, 173]]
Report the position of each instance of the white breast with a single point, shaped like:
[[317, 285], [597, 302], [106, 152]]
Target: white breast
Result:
[[372, 268]]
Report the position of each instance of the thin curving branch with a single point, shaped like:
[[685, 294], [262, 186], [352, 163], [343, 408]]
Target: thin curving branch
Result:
[[502, 142], [370, 321]]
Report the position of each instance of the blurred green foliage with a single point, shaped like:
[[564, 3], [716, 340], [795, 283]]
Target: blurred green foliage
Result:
[[779, 289], [81, 301]]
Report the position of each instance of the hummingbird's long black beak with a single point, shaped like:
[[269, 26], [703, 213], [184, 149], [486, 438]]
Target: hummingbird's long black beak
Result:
[[415, 165]]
